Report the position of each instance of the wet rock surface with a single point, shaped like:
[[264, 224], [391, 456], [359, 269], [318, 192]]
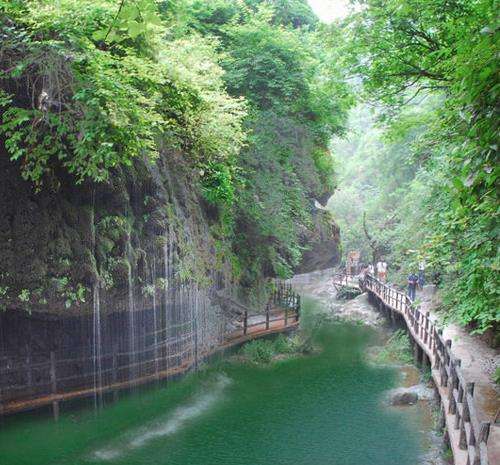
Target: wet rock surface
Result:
[[319, 285], [409, 395], [360, 310], [323, 244], [403, 397]]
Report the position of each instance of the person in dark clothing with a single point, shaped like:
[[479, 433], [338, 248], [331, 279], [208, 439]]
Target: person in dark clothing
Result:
[[412, 286]]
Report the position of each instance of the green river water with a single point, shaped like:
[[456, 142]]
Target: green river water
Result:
[[323, 409]]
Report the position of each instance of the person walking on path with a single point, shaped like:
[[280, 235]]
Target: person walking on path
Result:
[[421, 274], [382, 271], [412, 286]]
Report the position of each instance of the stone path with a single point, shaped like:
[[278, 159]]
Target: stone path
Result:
[[478, 365]]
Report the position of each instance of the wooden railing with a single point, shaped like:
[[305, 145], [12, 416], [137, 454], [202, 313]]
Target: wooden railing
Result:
[[283, 306], [458, 402], [47, 378]]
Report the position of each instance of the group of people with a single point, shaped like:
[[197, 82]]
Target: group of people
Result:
[[414, 280], [380, 268]]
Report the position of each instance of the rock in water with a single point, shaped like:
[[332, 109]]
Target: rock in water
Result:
[[409, 395], [402, 396]]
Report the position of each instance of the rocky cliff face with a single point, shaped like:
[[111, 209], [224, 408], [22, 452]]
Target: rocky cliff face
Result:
[[124, 236], [106, 283], [323, 246], [57, 244]]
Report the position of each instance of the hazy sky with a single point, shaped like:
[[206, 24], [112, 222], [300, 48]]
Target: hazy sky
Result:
[[328, 10]]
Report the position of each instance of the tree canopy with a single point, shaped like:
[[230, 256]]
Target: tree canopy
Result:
[[247, 91], [432, 69]]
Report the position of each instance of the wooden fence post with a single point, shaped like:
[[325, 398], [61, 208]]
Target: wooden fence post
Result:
[[484, 432], [195, 343], [426, 328], [114, 370], [462, 442], [267, 316], [53, 383], [245, 322], [29, 374]]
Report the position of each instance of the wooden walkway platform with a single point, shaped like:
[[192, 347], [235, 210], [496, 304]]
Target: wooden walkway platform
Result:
[[465, 434], [168, 359], [255, 331]]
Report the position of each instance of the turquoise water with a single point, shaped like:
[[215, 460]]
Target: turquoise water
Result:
[[322, 409]]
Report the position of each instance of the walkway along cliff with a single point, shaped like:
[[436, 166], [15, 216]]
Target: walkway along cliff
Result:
[[466, 435], [149, 350]]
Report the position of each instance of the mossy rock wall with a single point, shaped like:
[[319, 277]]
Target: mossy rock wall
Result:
[[58, 243], [323, 246]]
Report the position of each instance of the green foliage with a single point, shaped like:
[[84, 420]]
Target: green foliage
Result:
[[432, 65], [245, 94], [264, 350], [218, 185], [112, 89], [286, 345], [347, 293], [24, 295], [259, 351], [396, 349], [282, 72]]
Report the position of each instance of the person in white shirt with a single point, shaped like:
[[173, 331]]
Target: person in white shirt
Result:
[[382, 271]]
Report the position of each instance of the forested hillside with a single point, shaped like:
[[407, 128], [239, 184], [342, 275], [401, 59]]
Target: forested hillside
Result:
[[423, 166], [128, 125], [137, 123]]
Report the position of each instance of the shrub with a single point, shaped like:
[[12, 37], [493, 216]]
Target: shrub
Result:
[[259, 351], [397, 348]]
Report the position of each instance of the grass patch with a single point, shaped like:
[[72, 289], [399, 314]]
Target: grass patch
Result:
[[397, 349], [263, 351]]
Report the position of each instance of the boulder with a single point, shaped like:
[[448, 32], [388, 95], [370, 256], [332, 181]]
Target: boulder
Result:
[[403, 397], [409, 395]]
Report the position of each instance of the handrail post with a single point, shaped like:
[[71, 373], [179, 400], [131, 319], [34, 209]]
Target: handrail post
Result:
[[245, 323], [114, 370], [484, 432], [53, 385], [267, 316]]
